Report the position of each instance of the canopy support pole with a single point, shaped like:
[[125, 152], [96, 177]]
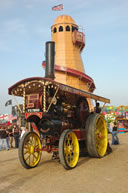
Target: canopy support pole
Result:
[[17, 102]]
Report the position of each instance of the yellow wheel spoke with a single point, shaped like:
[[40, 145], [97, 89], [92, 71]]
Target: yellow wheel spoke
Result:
[[26, 152], [26, 147], [35, 156], [28, 157], [27, 143], [30, 140], [36, 146]]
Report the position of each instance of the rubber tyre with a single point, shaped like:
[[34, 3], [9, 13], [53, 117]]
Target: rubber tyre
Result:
[[28, 156], [96, 135], [68, 149]]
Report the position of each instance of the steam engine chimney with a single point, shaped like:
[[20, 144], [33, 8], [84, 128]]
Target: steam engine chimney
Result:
[[50, 55]]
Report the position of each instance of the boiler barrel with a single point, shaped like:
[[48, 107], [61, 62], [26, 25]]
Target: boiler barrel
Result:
[[50, 55]]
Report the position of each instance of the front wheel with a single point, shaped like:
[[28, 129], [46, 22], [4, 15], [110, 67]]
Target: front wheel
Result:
[[68, 149], [29, 150]]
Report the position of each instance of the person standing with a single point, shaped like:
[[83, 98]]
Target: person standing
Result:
[[10, 131], [111, 127], [16, 133], [3, 140], [97, 108], [7, 136], [115, 139]]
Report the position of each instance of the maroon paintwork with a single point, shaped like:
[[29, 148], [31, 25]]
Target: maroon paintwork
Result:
[[75, 73]]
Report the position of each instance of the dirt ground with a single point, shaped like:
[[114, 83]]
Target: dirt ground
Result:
[[106, 175]]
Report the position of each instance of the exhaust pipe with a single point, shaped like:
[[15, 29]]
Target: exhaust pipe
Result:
[[50, 57]]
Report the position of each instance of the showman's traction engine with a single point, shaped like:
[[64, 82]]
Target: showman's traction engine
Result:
[[59, 106]]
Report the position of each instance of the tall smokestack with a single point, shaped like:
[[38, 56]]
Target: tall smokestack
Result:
[[50, 55]]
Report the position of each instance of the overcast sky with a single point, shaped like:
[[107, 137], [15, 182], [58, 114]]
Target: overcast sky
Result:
[[25, 27]]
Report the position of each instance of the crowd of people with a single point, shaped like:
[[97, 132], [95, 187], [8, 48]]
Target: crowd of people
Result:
[[10, 136]]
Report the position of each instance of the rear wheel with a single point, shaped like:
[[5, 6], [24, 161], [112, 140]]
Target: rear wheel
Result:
[[96, 135], [68, 149], [29, 150]]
